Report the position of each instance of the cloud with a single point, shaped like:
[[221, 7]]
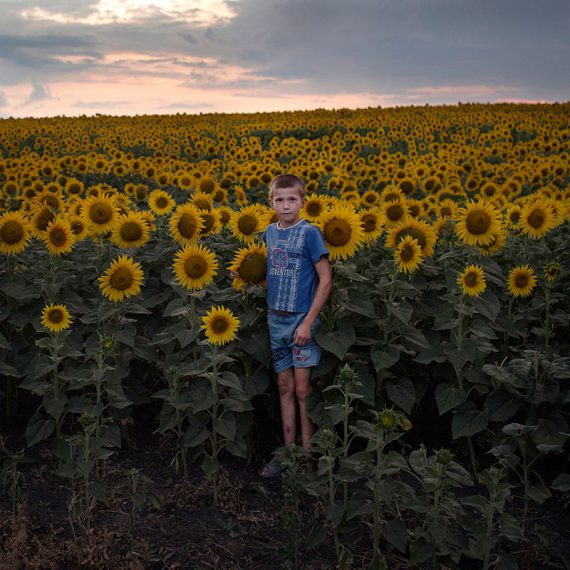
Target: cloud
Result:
[[3, 99], [39, 93]]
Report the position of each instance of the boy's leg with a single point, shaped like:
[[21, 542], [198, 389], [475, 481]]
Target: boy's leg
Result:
[[286, 384], [302, 391]]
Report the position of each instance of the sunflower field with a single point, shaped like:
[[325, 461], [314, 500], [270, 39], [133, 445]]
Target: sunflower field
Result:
[[132, 275]]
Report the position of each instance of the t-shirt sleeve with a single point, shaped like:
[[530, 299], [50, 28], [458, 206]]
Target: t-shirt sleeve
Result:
[[316, 244]]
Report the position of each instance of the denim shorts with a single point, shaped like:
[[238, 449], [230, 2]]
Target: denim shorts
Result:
[[284, 352]]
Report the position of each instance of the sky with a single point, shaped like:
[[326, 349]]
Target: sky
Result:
[[134, 57]]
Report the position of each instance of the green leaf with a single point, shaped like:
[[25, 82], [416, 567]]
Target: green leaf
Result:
[[448, 397], [237, 447], [19, 290], [518, 430], [230, 380], [210, 465], [402, 311], [339, 341], [226, 426], [359, 304], [38, 428], [233, 405], [501, 405], [117, 398], [7, 370], [431, 354], [384, 355], [403, 394], [487, 304], [4, 344], [396, 533], [55, 406], [416, 337], [421, 550], [561, 483], [63, 450], [111, 436], [468, 422], [539, 493], [195, 435]]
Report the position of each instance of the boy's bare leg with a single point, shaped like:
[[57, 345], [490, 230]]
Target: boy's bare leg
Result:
[[302, 392], [286, 387]]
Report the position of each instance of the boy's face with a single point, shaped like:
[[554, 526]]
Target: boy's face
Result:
[[287, 203]]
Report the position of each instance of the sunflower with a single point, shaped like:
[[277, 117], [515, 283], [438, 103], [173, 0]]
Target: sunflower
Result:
[[372, 224], [521, 281], [14, 233], [195, 266], [472, 280], [225, 213], [220, 325], [447, 208], [249, 266], [56, 318], [78, 227], [408, 255], [342, 231], [513, 216], [100, 213], [122, 279], [478, 223], [160, 202], [552, 272], [211, 222], [59, 237], [185, 224], [130, 230], [202, 201], [42, 216], [394, 211], [537, 218], [417, 229], [370, 198], [247, 222], [313, 208]]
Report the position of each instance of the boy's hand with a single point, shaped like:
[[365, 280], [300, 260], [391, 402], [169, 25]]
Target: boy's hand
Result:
[[302, 334]]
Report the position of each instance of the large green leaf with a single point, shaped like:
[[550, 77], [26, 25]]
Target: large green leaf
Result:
[[468, 422], [338, 341], [402, 393], [384, 355], [448, 397], [38, 428]]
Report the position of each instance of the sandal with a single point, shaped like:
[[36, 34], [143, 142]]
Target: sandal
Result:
[[270, 470]]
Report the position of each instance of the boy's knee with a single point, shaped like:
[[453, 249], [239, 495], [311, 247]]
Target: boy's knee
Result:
[[302, 392]]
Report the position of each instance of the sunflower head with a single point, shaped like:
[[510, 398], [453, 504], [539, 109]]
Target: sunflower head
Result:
[[130, 230], [59, 237], [472, 280], [552, 272], [186, 224], [220, 325], [56, 318], [122, 279], [478, 223], [521, 281], [195, 266], [342, 230], [14, 233], [408, 255], [249, 266]]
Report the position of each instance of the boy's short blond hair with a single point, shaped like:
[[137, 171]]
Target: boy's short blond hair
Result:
[[287, 181]]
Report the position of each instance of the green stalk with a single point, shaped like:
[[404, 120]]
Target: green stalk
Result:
[[214, 383]]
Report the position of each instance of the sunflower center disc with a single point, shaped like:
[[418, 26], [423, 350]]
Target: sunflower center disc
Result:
[[55, 316], [247, 224], [187, 226], [121, 279], [58, 238], [338, 232], [521, 281], [12, 232], [101, 213], [208, 220], [131, 231], [253, 268], [394, 213], [536, 220], [478, 223], [220, 325], [195, 267]]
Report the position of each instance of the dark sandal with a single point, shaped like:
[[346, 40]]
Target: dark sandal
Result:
[[270, 470]]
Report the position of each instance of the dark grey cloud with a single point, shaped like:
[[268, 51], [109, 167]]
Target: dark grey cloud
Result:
[[39, 93], [520, 48]]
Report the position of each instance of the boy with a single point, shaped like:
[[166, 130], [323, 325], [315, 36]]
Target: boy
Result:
[[296, 257]]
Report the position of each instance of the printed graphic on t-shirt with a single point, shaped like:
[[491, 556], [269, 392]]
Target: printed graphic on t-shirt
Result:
[[279, 257]]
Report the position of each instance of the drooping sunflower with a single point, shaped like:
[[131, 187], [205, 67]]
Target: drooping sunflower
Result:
[[478, 222], [130, 230], [342, 231], [472, 280], [99, 213], [59, 237], [247, 222], [408, 255], [220, 325], [521, 281], [160, 202], [537, 218], [372, 224], [249, 266], [56, 318], [123, 279], [394, 211], [195, 266], [185, 224], [14, 233], [421, 231]]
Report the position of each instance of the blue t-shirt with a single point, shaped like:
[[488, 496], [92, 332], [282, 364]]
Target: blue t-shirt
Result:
[[291, 256]]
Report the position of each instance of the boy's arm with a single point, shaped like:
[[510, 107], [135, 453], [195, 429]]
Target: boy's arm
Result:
[[303, 331]]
